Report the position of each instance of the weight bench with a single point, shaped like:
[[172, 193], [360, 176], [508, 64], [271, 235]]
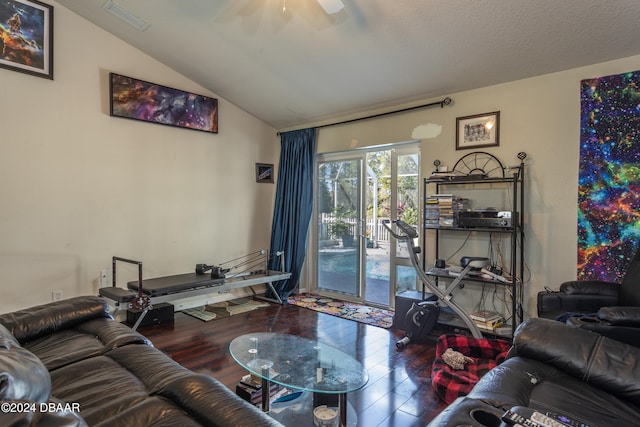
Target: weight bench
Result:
[[142, 294]]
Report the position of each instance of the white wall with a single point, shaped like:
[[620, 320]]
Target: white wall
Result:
[[78, 186], [540, 116]]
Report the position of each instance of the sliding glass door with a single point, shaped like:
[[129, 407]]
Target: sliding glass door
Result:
[[355, 256], [338, 203]]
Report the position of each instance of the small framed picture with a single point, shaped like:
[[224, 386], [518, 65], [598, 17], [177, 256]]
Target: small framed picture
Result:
[[26, 37], [264, 172], [480, 130]]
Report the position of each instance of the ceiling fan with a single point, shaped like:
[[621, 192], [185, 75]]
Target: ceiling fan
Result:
[[331, 6]]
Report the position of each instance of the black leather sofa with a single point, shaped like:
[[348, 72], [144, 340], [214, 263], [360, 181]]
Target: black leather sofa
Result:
[[69, 363], [610, 309], [557, 369]]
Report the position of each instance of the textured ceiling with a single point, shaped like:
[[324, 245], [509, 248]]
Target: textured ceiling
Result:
[[302, 66]]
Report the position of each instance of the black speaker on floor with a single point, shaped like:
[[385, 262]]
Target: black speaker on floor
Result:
[[162, 312]]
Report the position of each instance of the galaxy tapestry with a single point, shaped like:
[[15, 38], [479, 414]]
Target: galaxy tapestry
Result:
[[609, 176], [26, 37], [139, 100]]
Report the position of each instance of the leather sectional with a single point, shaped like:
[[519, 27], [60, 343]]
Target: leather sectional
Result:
[[556, 369], [69, 363]]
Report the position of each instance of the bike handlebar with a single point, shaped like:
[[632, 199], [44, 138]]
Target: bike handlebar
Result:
[[409, 232]]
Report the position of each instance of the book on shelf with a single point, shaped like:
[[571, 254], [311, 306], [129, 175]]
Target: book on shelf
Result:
[[489, 325], [253, 381], [441, 210], [484, 316]]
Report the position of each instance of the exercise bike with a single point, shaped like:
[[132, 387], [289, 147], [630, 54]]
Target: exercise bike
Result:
[[423, 316]]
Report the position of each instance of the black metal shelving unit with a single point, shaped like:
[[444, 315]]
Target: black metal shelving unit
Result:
[[515, 182]]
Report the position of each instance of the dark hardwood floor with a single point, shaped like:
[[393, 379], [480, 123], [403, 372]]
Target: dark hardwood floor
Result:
[[399, 391]]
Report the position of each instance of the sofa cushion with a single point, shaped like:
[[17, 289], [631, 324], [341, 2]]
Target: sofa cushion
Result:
[[139, 385], [89, 339], [100, 386], [595, 360], [201, 396], [22, 374]]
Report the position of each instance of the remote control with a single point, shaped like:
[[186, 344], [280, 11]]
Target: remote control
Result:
[[546, 421], [515, 419], [566, 420]]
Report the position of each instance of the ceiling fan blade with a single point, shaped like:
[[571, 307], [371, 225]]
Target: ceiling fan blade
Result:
[[331, 6]]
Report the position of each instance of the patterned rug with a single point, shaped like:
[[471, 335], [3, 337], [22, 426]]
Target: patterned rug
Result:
[[347, 310]]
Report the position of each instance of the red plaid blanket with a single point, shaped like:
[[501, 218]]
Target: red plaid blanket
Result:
[[451, 383]]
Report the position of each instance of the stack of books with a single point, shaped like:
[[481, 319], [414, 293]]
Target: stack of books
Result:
[[487, 320], [250, 389], [431, 212], [445, 204], [441, 210]]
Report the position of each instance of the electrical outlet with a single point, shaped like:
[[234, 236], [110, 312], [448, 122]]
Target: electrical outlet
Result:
[[56, 295], [104, 278]]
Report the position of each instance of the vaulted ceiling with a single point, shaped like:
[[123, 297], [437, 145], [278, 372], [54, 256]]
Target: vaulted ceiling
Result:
[[290, 63]]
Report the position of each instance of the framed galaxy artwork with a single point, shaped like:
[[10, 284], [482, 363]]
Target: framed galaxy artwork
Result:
[[26, 37], [139, 100], [609, 176]]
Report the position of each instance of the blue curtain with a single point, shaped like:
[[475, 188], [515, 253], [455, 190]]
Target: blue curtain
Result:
[[293, 205]]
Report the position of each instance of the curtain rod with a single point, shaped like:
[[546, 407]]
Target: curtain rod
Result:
[[442, 103]]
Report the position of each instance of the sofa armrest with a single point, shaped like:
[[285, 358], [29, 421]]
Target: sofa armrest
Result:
[[205, 398], [590, 287], [34, 322], [553, 304], [602, 362], [577, 296], [22, 374], [620, 316]]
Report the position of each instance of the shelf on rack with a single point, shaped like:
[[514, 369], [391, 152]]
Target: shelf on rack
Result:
[[485, 229], [470, 279], [449, 318], [464, 180]]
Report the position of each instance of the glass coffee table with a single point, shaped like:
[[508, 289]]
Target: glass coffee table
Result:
[[300, 364]]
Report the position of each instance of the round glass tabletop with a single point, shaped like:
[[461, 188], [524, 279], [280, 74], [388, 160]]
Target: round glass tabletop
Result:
[[299, 363]]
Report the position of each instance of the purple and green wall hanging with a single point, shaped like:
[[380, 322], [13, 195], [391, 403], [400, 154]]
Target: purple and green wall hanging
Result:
[[609, 176]]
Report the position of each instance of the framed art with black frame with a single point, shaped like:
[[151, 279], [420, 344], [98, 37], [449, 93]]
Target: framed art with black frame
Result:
[[136, 99], [264, 172], [26, 37], [479, 130]]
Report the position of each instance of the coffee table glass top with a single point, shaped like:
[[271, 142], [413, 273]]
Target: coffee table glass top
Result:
[[298, 362]]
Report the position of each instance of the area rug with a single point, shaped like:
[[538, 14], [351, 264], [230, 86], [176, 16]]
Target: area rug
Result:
[[347, 310], [224, 309]]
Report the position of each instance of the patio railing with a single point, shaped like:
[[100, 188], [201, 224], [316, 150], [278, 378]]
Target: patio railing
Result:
[[374, 229]]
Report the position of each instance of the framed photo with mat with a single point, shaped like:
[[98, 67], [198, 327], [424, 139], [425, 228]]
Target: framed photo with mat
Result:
[[479, 130]]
